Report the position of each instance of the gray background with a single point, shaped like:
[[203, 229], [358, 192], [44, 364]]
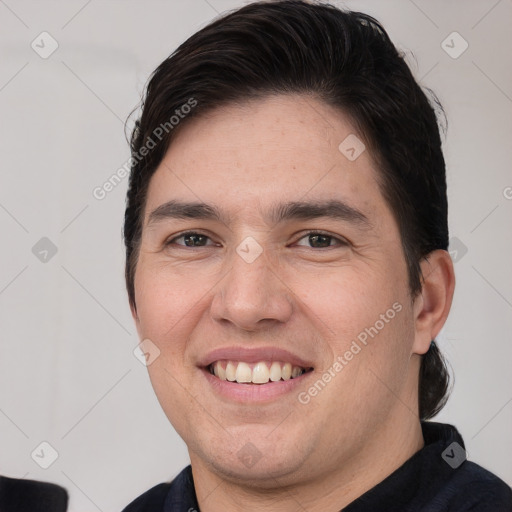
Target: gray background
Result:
[[68, 375]]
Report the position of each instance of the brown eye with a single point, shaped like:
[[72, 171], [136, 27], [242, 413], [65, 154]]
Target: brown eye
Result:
[[318, 240], [190, 239]]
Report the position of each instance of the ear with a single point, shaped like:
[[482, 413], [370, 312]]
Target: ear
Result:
[[432, 305]]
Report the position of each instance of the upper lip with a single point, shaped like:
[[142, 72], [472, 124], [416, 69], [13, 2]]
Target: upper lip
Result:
[[253, 355]]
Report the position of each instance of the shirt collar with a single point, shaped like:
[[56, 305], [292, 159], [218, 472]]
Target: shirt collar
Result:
[[413, 484]]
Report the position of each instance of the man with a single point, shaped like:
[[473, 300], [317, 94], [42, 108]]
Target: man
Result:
[[287, 270]]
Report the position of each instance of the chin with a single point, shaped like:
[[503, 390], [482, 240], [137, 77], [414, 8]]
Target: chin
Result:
[[252, 456], [266, 473]]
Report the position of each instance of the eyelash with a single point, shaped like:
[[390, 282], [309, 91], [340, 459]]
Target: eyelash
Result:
[[341, 241]]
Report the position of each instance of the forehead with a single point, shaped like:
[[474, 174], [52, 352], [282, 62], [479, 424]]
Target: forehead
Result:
[[268, 151]]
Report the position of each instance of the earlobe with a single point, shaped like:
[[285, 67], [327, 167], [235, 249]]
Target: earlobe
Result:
[[432, 305]]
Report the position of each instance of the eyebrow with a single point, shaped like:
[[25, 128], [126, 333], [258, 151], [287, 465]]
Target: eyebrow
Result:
[[333, 209]]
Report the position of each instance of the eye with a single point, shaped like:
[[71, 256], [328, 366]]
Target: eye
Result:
[[313, 239], [319, 240], [190, 239]]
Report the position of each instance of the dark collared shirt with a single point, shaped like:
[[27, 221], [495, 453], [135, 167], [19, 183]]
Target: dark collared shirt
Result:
[[435, 479]]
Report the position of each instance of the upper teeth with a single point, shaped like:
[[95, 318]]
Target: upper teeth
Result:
[[259, 373]]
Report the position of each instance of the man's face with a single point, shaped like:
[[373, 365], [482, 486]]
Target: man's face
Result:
[[257, 286]]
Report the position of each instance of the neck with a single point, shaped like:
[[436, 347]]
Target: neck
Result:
[[331, 490]]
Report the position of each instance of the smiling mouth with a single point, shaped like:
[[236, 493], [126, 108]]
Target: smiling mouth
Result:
[[262, 372]]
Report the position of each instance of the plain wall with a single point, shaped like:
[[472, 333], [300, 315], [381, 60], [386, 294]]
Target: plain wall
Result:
[[68, 375]]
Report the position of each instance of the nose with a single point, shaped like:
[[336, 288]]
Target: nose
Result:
[[252, 296]]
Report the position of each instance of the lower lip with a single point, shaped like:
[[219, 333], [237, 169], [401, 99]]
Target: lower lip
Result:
[[254, 393]]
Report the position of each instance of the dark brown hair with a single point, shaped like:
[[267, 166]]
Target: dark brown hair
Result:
[[343, 58]]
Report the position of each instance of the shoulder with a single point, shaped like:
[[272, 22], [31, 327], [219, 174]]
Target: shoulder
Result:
[[477, 489], [152, 500], [22, 495]]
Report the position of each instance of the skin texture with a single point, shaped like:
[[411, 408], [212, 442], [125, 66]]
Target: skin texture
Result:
[[311, 301]]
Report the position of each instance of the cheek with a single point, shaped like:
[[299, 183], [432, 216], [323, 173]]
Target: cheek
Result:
[[167, 307], [165, 296], [368, 319], [348, 299]]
